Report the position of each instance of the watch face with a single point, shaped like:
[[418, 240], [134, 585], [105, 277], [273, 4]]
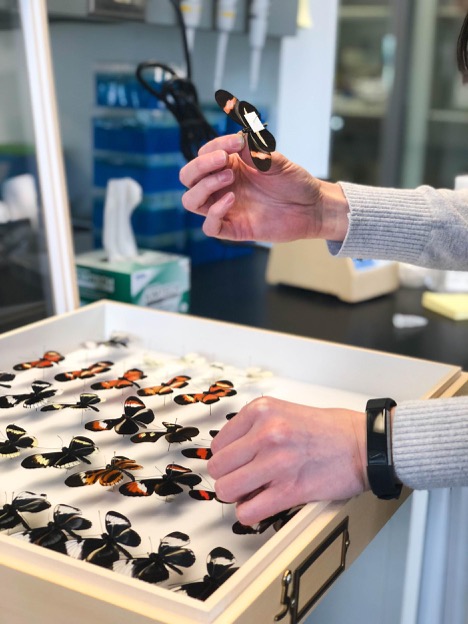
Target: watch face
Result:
[[379, 422]]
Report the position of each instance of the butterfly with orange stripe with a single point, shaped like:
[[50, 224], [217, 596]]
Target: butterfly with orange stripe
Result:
[[85, 373], [112, 474], [128, 379], [166, 387], [46, 361], [216, 391]]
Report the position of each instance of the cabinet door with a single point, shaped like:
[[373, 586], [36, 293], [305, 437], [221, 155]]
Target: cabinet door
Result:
[[437, 125], [27, 243], [369, 39]]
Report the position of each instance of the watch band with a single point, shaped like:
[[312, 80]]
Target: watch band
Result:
[[380, 470]]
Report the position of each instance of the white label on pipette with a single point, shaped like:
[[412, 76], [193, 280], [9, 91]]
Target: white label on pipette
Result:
[[254, 121]]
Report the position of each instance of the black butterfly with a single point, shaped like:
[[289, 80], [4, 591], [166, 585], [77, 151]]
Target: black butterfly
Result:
[[4, 377], [55, 534], [86, 400], [69, 456], [167, 484], [41, 391], [106, 549], [219, 564], [173, 433], [135, 415], [10, 513], [116, 340], [17, 439], [261, 142], [277, 521], [172, 555]]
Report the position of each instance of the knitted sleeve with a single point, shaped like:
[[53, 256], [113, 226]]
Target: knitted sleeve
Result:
[[423, 226], [430, 443], [429, 228]]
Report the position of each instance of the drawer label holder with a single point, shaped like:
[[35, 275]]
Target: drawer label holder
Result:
[[315, 574]]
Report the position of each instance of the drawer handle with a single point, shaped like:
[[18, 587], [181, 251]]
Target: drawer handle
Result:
[[285, 599]]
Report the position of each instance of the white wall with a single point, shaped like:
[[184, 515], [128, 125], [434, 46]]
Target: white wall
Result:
[[306, 89]]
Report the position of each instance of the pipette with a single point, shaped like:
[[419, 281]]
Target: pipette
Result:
[[191, 12], [258, 23], [225, 19]]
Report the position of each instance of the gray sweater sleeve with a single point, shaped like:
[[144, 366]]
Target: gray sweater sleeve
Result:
[[429, 228], [424, 226]]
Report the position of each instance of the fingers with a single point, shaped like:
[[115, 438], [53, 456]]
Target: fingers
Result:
[[197, 198], [215, 224], [212, 157], [230, 143], [265, 503]]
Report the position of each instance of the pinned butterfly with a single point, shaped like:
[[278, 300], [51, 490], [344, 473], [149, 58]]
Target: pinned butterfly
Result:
[[260, 140]]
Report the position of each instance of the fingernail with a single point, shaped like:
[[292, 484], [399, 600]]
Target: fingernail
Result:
[[237, 141], [226, 176], [219, 158]]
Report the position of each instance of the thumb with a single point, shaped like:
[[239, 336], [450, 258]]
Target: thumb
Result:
[[278, 161]]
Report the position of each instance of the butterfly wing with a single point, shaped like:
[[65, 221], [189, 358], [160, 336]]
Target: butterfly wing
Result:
[[180, 381], [203, 495], [95, 550], [10, 400], [69, 456], [147, 436], [174, 552], [188, 399], [88, 477], [88, 399], [135, 414], [142, 487], [4, 378], [30, 502], [17, 439], [229, 104], [119, 528], [103, 425], [182, 435], [197, 453], [261, 157]]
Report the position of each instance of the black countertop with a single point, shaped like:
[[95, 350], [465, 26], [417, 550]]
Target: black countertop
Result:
[[235, 290]]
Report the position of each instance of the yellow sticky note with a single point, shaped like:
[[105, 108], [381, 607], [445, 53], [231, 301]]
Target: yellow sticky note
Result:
[[452, 305], [304, 19]]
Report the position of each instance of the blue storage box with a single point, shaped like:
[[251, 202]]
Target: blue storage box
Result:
[[155, 173]]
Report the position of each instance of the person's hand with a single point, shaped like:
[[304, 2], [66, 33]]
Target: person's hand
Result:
[[242, 204], [274, 455]]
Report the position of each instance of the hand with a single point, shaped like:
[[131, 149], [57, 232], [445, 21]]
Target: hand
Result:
[[274, 455], [241, 203]]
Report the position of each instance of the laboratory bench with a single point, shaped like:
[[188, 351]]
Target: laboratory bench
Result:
[[235, 290]]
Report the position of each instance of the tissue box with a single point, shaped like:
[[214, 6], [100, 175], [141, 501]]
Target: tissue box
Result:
[[153, 279]]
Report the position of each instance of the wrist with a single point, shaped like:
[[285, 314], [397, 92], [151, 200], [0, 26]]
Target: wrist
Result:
[[359, 426], [334, 212]]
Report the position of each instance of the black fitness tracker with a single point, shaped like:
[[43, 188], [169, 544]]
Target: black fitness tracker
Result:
[[380, 471]]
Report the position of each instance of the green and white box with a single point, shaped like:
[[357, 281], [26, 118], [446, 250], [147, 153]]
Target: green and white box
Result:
[[153, 279]]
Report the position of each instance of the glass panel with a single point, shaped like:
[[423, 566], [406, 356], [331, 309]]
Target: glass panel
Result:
[[24, 284], [447, 136], [364, 80]]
